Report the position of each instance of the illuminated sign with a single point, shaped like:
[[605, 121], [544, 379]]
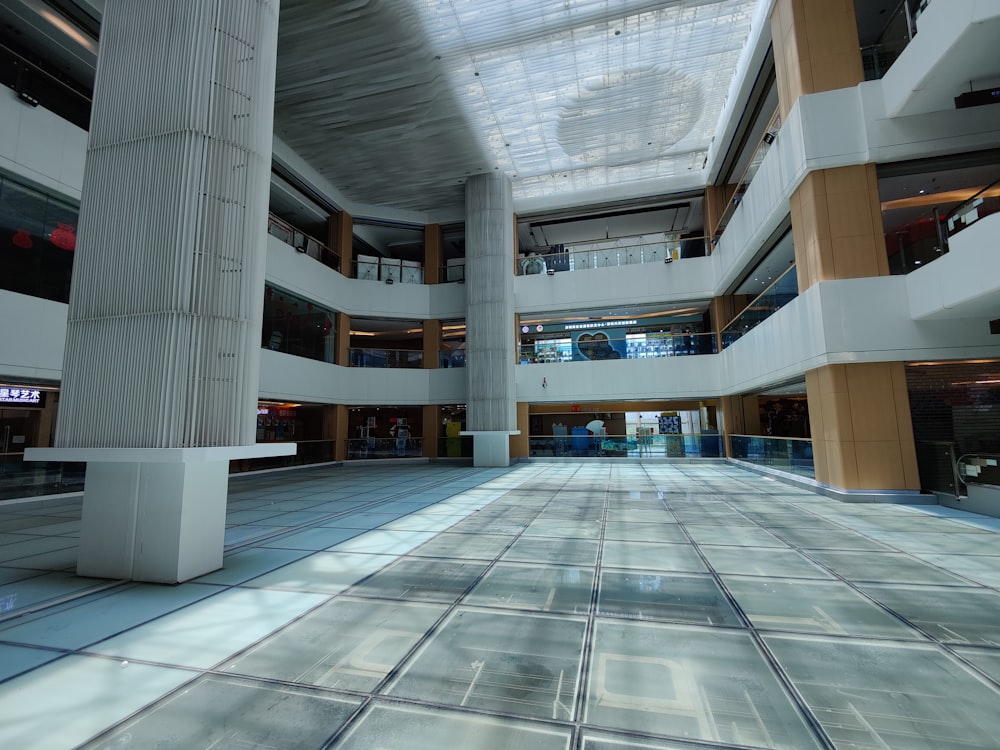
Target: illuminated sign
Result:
[[600, 324], [20, 396]]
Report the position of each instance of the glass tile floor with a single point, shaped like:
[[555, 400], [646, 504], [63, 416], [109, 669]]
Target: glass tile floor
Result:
[[579, 606]]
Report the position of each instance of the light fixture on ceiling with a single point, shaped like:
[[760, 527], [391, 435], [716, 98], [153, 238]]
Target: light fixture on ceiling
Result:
[[668, 259], [550, 271], [389, 280]]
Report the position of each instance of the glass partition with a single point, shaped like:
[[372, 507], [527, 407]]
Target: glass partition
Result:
[[20, 478], [794, 455], [984, 203], [582, 443], [782, 291]]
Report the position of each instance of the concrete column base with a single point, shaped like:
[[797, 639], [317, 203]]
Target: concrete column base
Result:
[[491, 448], [154, 514], [154, 522]]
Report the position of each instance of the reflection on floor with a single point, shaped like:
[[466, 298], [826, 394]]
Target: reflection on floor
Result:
[[591, 606]]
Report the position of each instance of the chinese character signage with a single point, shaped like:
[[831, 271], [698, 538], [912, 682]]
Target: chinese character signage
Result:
[[20, 396]]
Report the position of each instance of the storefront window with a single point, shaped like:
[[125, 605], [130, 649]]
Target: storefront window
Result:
[[37, 242], [296, 326]]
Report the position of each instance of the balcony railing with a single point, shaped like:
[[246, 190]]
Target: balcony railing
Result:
[[395, 358], [794, 455], [411, 447], [20, 478], [302, 242], [743, 184], [662, 345], [582, 257], [782, 290], [688, 445], [984, 203], [926, 238], [899, 30]]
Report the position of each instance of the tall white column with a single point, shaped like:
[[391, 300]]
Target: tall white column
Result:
[[161, 371], [491, 408]]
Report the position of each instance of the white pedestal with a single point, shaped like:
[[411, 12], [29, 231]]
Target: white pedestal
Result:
[[154, 515], [490, 448], [161, 523]]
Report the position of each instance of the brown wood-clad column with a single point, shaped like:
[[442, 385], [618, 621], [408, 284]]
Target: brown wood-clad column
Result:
[[519, 445], [816, 48], [433, 261], [431, 429], [343, 355], [341, 432], [340, 229], [859, 416], [837, 226], [432, 344]]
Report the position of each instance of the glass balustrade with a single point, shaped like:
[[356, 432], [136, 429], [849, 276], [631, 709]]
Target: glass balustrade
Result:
[[20, 478], [588, 444], [372, 447], [794, 455], [396, 358], [781, 291]]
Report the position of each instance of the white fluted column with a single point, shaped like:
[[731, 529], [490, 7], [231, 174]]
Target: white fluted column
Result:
[[491, 406], [161, 371]]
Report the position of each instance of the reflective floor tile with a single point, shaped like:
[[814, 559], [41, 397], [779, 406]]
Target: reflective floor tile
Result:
[[888, 696], [593, 740], [553, 550], [813, 607], [948, 614], [326, 572], [426, 521], [480, 524], [761, 561], [205, 633], [68, 701], [346, 644], [17, 659], [887, 567], [466, 546], [545, 589], [499, 661], [645, 532], [239, 535], [250, 563], [828, 539], [738, 536], [987, 661], [589, 529], [221, 712], [952, 543], [35, 546], [84, 621], [434, 729], [664, 596], [690, 683], [650, 556], [33, 589], [978, 568], [313, 539], [421, 579], [385, 541]]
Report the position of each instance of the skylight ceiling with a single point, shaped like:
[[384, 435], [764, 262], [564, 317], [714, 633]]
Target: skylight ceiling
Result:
[[575, 96], [581, 102]]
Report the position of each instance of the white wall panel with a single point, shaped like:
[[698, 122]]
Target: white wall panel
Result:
[[965, 283], [41, 146], [285, 377], [31, 338], [298, 273], [620, 286], [620, 380], [851, 320]]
